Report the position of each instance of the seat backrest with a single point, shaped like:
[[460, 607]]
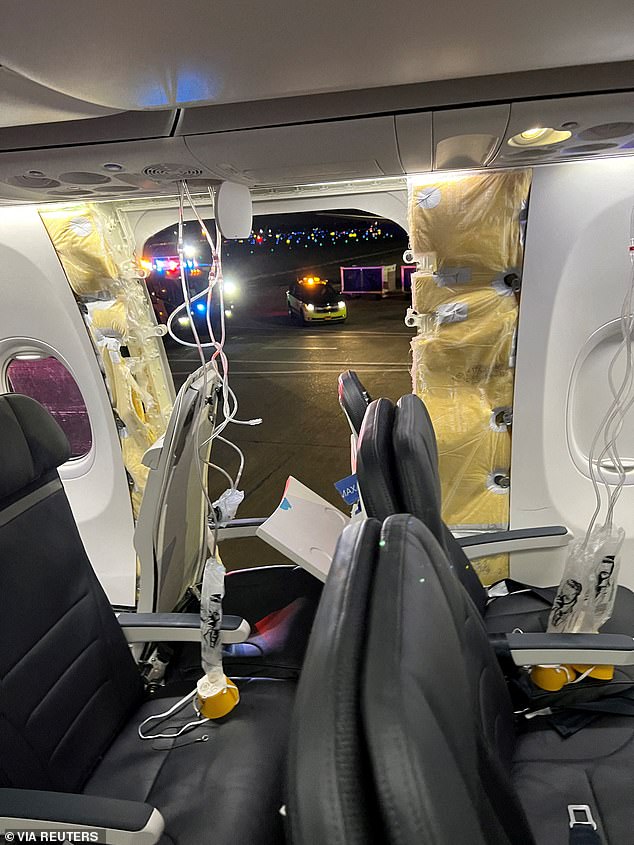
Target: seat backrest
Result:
[[67, 679], [376, 471], [418, 485], [330, 794], [171, 531], [353, 398], [437, 718]]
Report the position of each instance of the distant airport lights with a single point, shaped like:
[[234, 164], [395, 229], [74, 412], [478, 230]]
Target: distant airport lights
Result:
[[315, 237]]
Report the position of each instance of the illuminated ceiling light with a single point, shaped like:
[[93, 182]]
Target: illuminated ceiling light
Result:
[[539, 136], [29, 356]]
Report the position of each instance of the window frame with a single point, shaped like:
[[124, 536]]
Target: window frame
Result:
[[10, 348]]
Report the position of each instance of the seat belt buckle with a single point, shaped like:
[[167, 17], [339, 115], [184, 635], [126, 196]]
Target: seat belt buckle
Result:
[[580, 814]]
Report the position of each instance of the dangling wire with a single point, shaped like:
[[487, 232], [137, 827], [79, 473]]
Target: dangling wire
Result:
[[218, 361], [612, 423]]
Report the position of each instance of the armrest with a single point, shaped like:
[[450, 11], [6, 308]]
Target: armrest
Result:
[[553, 649], [125, 822], [239, 528], [515, 540], [178, 628]]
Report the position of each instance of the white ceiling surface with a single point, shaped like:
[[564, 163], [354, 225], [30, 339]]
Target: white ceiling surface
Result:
[[144, 54], [23, 101]]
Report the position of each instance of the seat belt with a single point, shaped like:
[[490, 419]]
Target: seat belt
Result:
[[508, 585], [583, 828]]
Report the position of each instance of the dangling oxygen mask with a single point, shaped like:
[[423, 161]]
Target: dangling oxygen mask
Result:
[[216, 694], [585, 597], [584, 602]]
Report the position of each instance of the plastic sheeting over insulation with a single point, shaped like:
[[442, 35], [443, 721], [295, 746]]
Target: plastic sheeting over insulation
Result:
[[466, 231], [97, 253]]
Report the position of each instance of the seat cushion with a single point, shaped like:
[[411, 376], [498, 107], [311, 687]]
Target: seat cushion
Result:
[[529, 612], [593, 766], [226, 791], [526, 611]]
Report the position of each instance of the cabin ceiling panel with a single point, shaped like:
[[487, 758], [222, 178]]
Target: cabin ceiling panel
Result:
[[144, 55]]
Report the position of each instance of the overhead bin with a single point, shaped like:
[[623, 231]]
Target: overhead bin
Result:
[[24, 101], [124, 126], [134, 154], [302, 153]]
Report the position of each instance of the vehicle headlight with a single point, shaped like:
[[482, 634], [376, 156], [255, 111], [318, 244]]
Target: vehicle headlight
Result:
[[183, 321], [341, 304], [310, 307], [230, 288]]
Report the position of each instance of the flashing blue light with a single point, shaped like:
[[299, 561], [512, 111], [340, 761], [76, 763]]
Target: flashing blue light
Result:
[[201, 307]]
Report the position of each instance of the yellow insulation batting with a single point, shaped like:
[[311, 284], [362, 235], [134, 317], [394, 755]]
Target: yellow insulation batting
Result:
[[463, 355], [97, 254], [78, 238], [469, 221], [110, 319], [467, 337], [472, 451]]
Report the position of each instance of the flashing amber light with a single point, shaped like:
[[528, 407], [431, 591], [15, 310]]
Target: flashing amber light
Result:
[[147, 265]]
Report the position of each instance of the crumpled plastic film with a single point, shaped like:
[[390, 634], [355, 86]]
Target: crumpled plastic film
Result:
[[96, 250], [465, 231]]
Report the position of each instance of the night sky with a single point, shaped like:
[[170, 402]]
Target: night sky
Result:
[[293, 245]]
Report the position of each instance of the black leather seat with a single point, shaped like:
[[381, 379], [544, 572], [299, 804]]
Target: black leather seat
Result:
[[447, 763], [397, 469], [353, 398], [72, 698], [330, 796]]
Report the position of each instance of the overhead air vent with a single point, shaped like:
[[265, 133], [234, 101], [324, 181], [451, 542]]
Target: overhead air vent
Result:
[[80, 177], [607, 131], [35, 183], [172, 172]]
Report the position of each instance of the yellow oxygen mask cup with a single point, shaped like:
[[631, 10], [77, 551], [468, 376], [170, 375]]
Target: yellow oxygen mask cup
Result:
[[216, 695], [584, 602]]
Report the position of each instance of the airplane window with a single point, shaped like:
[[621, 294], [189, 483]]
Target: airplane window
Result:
[[46, 379]]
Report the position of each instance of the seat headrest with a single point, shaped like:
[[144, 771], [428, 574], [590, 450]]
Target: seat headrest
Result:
[[416, 467], [376, 472], [353, 398], [31, 443], [418, 483]]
